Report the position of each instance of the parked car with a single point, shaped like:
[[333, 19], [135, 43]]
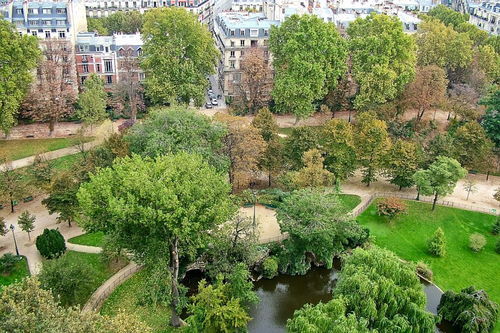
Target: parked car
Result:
[[208, 105], [210, 91], [214, 101]]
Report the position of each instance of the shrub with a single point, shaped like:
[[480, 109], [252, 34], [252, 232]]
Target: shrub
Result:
[[270, 268], [497, 247], [51, 243], [437, 243], [7, 262], [424, 270], [477, 242], [496, 227], [391, 207]]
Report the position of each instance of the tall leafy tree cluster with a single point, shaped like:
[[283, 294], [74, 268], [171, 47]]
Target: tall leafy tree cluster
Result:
[[92, 101], [179, 54], [19, 55], [125, 22], [309, 56], [383, 59]]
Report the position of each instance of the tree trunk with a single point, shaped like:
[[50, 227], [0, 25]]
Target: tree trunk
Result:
[[69, 223], [52, 125], [400, 187], [349, 114], [487, 175], [11, 204], [434, 201], [468, 193], [175, 320], [418, 195], [269, 180], [29, 237]]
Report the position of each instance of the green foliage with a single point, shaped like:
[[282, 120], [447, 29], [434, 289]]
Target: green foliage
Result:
[[270, 268], [125, 22], [7, 263], [437, 243], [448, 16], [477, 242], [19, 55], [402, 163], [179, 55], [300, 140], [26, 222], [97, 25], [424, 270], [383, 59], [176, 129], [497, 247], [313, 174], [213, 310], [241, 287], [266, 123], [309, 56], [491, 120], [391, 207], [69, 279], [495, 230], [62, 197], [326, 317], [472, 146], [92, 101], [470, 310], [51, 243]]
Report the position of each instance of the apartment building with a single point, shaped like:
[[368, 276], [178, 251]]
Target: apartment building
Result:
[[486, 16], [107, 56], [236, 32]]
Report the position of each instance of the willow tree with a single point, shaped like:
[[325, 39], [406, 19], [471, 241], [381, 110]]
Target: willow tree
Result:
[[160, 210]]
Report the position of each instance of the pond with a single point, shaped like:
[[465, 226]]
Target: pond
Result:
[[281, 296]]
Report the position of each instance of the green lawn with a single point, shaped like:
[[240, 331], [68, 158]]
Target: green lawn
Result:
[[65, 163], [407, 236], [126, 297], [20, 271], [90, 239], [17, 149], [101, 271], [350, 201]]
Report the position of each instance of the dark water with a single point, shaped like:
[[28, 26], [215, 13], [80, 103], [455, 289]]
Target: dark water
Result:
[[281, 296]]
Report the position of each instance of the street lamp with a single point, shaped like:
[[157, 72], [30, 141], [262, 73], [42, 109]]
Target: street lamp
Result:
[[14, 235]]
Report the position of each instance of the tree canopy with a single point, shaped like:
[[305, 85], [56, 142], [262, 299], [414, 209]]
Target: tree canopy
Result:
[[92, 101]]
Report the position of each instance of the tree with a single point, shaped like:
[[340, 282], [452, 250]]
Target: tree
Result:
[[179, 55], [427, 90], [489, 62], [214, 310], [19, 55], [97, 25], [69, 279], [273, 159], [26, 307], [92, 101], [470, 310], [441, 145], [254, 88], [442, 46], [383, 59], [41, 171], [3, 227], [371, 142], [12, 185], [176, 129], [497, 194], [266, 123], [338, 145], [313, 174], [469, 187], [440, 178], [402, 163], [240, 287], [159, 209], [491, 120], [51, 243], [472, 146], [26, 222], [125, 22], [53, 94], [298, 142], [448, 16], [244, 146], [309, 56], [62, 197], [437, 243]]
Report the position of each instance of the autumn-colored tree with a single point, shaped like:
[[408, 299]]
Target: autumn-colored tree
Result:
[[462, 102], [313, 174], [371, 141], [472, 146], [53, 93], [266, 123], [254, 88], [402, 163], [244, 146], [427, 90], [272, 161], [338, 145]]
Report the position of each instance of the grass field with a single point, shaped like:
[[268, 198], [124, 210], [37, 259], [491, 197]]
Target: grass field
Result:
[[350, 201], [20, 271], [126, 297], [407, 236], [17, 149], [90, 239], [65, 163]]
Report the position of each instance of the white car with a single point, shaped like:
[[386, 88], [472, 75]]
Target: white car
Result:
[[214, 101], [210, 91]]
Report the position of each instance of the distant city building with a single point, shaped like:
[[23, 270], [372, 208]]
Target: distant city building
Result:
[[236, 32], [247, 5], [486, 16], [104, 55]]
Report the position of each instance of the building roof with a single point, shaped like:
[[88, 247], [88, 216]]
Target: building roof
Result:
[[244, 20]]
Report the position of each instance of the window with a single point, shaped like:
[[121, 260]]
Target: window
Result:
[[107, 48], [99, 48], [82, 79], [142, 76], [61, 10], [253, 43], [34, 33], [242, 53], [231, 32], [108, 66], [85, 68], [232, 43], [139, 52], [232, 64], [62, 34], [47, 34], [84, 58], [98, 68], [266, 54], [19, 11], [33, 22], [232, 54], [242, 32], [47, 11], [254, 32], [61, 22], [242, 42], [46, 22], [109, 79], [33, 11]]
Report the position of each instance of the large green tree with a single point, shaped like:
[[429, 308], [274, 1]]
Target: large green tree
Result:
[[383, 58], [473, 148], [160, 210], [92, 101], [448, 16], [298, 142], [491, 120], [440, 178], [179, 53], [19, 55], [402, 163], [309, 56]]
